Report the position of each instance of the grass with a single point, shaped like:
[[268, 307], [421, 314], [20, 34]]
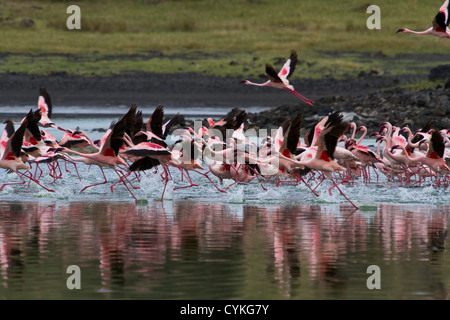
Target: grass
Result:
[[233, 37]]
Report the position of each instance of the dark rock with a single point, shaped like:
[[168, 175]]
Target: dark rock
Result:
[[441, 72], [27, 23]]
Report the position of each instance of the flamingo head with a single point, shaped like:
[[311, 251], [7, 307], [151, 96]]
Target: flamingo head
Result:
[[361, 128], [394, 148], [403, 129], [349, 143]]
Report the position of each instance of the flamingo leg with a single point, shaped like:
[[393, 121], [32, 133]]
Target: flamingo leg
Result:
[[299, 178], [75, 166], [257, 177], [122, 177], [337, 186], [96, 184], [298, 95], [188, 178], [35, 181], [166, 181], [323, 178], [207, 177], [11, 183]]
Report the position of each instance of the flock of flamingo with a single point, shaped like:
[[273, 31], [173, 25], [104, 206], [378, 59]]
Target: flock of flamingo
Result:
[[131, 148]]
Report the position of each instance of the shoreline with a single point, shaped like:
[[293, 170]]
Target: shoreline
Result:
[[184, 89], [367, 99]]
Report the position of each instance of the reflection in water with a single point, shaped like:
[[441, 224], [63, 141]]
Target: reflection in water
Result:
[[186, 250]]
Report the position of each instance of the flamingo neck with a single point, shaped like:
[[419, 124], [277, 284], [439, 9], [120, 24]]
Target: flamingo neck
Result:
[[264, 84], [428, 31], [364, 130]]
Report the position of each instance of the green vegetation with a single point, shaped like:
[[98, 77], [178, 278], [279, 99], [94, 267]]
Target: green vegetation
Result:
[[232, 37]]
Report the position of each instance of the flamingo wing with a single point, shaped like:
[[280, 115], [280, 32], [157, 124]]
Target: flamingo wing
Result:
[[166, 127], [154, 123], [440, 22], [138, 123], [45, 102], [436, 147], [33, 126], [112, 140], [6, 135], [14, 145], [292, 136], [272, 74], [129, 120], [329, 136], [144, 163], [147, 149], [289, 66]]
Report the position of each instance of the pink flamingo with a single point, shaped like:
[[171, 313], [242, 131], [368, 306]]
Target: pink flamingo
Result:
[[184, 158], [280, 80], [108, 155], [11, 144], [440, 24], [159, 155], [45, 106], [324, 160], [155, 130]]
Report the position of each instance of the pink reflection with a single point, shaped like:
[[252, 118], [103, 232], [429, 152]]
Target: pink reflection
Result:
[[131, 246]]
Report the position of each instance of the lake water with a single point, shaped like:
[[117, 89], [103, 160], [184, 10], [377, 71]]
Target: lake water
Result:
[[248, 243]]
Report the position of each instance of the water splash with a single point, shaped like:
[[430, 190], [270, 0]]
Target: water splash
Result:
[[236, 195]]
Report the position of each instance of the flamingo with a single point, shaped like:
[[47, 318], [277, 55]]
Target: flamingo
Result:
[[183, 157], [76, 139], [440, 24], [434, 158], [232, 122], [11, 143], [156, 131], [280, 80], [45, 106], [158, 155], [108, 155], [326, 143], [435, 154]]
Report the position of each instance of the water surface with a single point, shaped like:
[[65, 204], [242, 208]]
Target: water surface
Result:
[[249, 243], [186, 249]]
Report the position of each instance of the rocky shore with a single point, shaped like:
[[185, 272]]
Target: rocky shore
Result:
[[368, 99], [398, 106]]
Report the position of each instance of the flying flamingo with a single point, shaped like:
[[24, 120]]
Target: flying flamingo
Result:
[[280, 80], [183, 156], [440, 24], [11, 144], [159, 155], [108, 155], [434, 158], [324, 160], [231, 122], [45, 106], [156, 130], [435, 154]]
